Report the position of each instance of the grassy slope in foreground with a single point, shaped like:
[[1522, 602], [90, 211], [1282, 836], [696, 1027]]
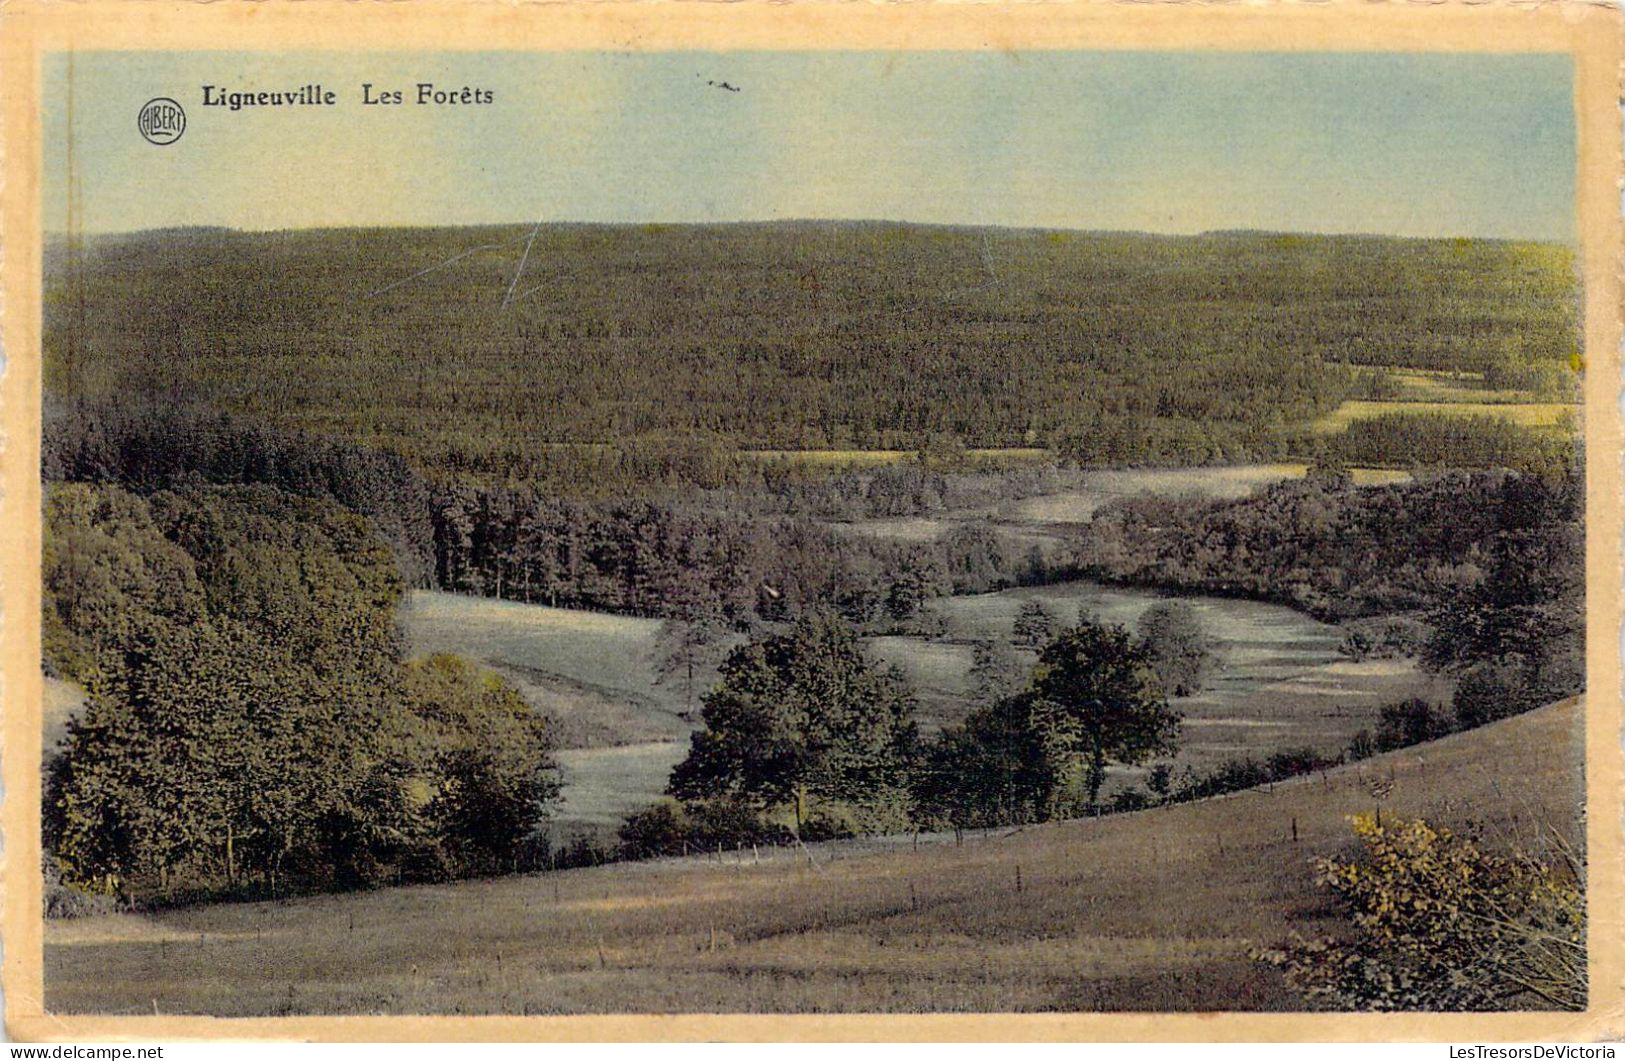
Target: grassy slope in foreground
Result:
[[1140, 911]]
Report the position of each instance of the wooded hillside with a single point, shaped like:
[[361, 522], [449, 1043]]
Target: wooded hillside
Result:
[[648, 353]]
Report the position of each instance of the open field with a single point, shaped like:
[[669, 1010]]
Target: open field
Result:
[[1425, 385], [601, 786], [593, 673], [1038, 519], [1527, 414], [619, 732], [1282, 683], [1155, 910]]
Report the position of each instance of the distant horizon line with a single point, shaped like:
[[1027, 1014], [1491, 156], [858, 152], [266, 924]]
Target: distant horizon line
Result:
[[826, 221]]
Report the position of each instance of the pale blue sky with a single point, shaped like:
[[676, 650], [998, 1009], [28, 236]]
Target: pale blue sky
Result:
[[1419, 144]]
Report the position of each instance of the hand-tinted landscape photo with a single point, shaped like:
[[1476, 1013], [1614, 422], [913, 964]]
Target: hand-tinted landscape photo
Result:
[[792, 532]]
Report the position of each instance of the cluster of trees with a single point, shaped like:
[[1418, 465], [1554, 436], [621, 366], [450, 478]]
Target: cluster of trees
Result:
[[145, 446], [1480, 575], [251, 724], [783, 336], [1339, 552], [680, 559], [803, 725], [1448, 440], [764, 553]]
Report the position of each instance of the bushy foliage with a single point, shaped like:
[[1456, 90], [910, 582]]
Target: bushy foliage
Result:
[[1526, 609], [1492, 559], [1450, 440], [249, 722], [1411, 721], [735, 556], [1003, 765], [1489, 691], [801, 715], [1385, 637], [1177, 647], [1035, 625], [669, 827], [1102, 701], [491, 774], [1440, 923]]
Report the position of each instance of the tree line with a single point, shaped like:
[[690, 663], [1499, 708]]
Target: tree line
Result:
[[742, 555]]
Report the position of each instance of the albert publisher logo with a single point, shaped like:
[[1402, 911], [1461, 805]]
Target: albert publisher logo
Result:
[[161, 121]]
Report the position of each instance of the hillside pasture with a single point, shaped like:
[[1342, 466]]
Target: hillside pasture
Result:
[[1149, 911], [593, 673], [1281, 683], [1107, 484], [601, 786], [619, 731]]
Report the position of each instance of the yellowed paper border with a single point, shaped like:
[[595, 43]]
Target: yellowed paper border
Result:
[[1590, 33]]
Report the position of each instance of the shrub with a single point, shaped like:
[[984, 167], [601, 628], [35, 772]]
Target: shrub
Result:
[[659, 829], [1295, 762], [668, 827], [583, 849], [1490, 691], [1001, 766], [1411, 722], [1389, 637], [1131, 799], [1231, 776], [1178, 649], [726, 823], [65, 901], [1441, 924], [826, 826]]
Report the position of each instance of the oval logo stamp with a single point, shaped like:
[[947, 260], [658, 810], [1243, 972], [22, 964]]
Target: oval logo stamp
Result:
[[161, 121]]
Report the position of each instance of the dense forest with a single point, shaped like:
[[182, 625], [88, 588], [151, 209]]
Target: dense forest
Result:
[[625, 356]]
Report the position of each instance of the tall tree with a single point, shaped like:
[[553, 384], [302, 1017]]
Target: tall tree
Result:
[[1002, 766], [1034, 625], [1177, 647], [687, 651], [995, 672], [1105, 701], [799, 715]]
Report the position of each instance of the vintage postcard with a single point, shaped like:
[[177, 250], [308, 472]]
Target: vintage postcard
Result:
[[811, 521]]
